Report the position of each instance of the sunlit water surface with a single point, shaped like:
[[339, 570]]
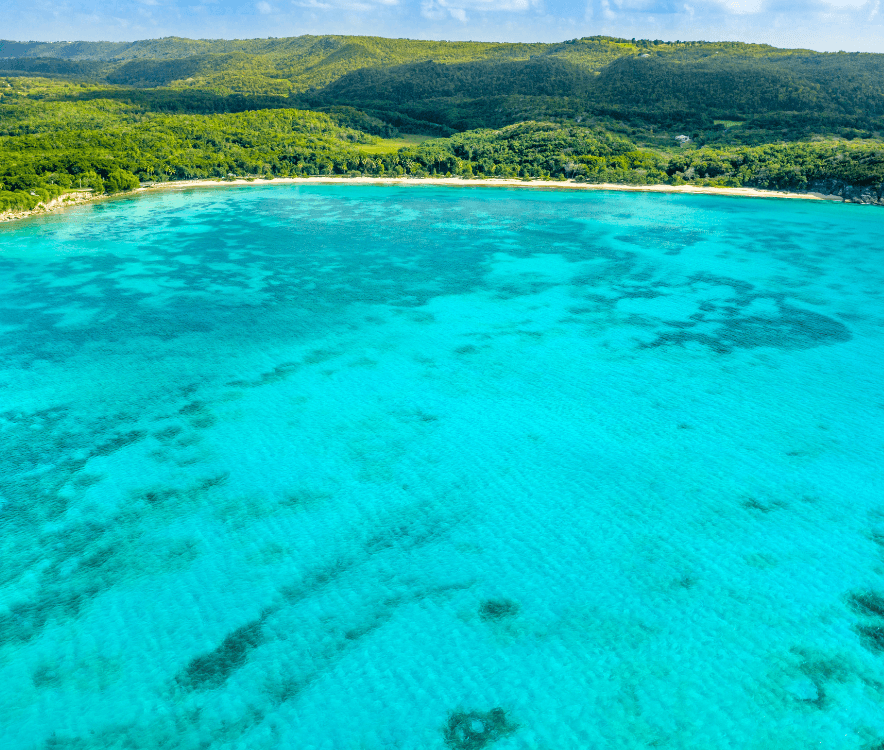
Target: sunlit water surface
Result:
[[363, 468]]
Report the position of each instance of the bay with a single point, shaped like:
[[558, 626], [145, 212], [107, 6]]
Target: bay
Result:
[[375, 467]]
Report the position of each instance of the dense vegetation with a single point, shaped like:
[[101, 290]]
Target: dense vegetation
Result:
[[822, 92], [107, 115], [48, 143]]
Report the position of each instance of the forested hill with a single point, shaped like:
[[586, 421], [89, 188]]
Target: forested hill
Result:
[[653, 88], [301, 62], [464, 85], [403, 84]]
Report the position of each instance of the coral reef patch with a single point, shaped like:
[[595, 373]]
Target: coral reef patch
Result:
[[474, 730]]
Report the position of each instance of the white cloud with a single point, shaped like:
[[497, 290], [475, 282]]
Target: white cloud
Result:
[[436, 10], [355, 5], [735, 14], [634, 6], [744, 6], [432, 11], [264, 7], [849, 3], [495, 5]]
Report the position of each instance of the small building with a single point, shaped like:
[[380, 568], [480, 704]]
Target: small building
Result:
[[682, 139]]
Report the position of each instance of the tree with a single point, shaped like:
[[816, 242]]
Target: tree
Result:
[[119, 180]]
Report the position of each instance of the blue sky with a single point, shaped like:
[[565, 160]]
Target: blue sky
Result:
[[851, 25]]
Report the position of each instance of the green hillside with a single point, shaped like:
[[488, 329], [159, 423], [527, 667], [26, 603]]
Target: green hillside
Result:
[[460, 85], [673, 85], [304, 62]]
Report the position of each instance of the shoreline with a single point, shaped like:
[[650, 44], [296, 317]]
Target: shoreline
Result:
[[74, 198], [78, 198]]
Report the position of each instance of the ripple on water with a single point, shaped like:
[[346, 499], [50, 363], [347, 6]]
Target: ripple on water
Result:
[[351, 467]]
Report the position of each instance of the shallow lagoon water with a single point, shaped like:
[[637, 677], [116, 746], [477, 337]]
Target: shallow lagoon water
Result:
[[352, 468]]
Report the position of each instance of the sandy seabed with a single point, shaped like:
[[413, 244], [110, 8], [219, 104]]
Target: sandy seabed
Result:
[[78, 198]]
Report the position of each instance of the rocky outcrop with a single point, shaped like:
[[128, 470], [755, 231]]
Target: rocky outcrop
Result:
[[68, 199], [867, 194]]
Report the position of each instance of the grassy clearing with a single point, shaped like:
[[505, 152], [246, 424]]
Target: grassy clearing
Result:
[[392, 145]]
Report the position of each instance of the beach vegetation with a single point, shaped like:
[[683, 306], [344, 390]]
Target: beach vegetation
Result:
[[120, 180]]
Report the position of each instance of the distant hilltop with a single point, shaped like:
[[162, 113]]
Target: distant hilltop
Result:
[[171, 47]]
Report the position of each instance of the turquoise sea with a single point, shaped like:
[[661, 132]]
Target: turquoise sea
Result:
[[375, 468]]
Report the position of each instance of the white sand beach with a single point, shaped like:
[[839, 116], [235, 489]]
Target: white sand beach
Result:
[[80, 197]]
